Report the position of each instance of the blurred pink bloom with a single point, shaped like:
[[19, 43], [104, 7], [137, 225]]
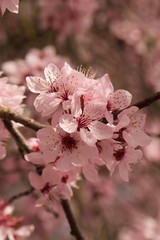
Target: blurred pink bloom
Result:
[[10, 228], [11, 5], [11, 95], [53, 184], [132, 129], [67, 17], [33, 64], [114, 100], [123, 158]]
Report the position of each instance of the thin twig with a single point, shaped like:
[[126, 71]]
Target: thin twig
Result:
[[148, 101], [19, 195], [18, 137], [6, 113], [73, 225]]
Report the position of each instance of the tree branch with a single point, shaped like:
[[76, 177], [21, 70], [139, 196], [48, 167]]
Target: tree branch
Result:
[[19, 195], [148, 101], [6, 113], [18, 137], [73, 225]]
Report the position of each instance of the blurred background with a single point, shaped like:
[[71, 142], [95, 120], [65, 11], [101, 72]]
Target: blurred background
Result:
[[121, 38]]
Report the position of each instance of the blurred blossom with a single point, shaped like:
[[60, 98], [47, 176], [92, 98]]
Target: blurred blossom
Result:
[[67, 17]]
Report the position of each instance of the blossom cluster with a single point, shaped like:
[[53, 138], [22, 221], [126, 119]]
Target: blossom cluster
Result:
[[11, 97], [10, 225], [11, 5], [91, 125], [67, 17]]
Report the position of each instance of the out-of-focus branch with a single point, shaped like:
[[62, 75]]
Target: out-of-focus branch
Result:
[[18, 137], [19, 195], [6, 113], [148, 101], [73, 225]]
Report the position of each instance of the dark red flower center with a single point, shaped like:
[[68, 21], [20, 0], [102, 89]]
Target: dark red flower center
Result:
[[119, 154], [69, 143]]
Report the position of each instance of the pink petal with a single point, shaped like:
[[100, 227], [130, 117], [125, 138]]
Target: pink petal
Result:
[[51, 153], [46, 135], [124, 120], [35, 157], [109, 116], [68, 123], [41, 201], [129, 139], [141, 138], [123, 171], [76, 106], [50, 175], [64, 163], [119, 99], [88, 137], [25, 231], [137, 121], [107, 86], [90, 173], [100, 130], [52, 73], [36, 84], [35, 180], [2, 151]]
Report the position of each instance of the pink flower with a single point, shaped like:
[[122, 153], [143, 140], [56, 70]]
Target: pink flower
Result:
[[56, 88], [114, 100], [123, 158], [11, 5], [10, 228], [67, 18], [131, 127], [11, 95], [85, 116], [53, 184], [64, 150]]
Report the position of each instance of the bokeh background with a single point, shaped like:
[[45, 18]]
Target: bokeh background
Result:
[[118, 37]]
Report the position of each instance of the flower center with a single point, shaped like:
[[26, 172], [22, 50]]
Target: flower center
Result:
[[46, 189], [68, 142], [119, 154]]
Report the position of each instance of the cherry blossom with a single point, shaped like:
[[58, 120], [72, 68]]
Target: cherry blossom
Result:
[[84, 116], [53, 184], [132, 129], [56, 88], [11, 95], [10, 228], [68, 17], [123, 158], [65, 150]]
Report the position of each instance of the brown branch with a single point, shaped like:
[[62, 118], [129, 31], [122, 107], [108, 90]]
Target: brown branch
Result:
[[6, 113], [73, 225], [18, 137], [148, 101], [19, 195]]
